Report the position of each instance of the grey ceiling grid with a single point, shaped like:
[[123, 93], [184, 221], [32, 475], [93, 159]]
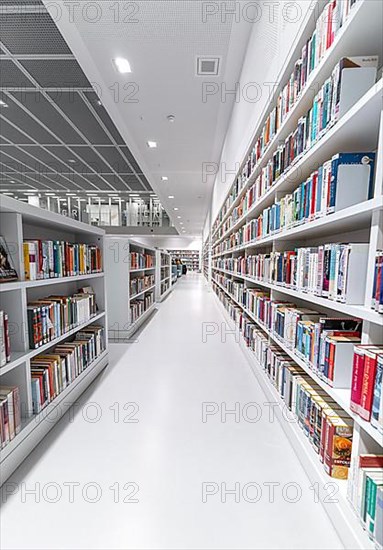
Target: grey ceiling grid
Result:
[[55, 135]]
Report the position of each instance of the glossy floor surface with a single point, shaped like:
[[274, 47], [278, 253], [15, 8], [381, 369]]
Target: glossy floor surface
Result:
[[152, 458]]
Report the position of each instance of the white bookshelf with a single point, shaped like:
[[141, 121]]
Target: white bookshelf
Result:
[[164, 275], [190, 258], [20, 221], [360, 129], [119, 274], [206, 258]]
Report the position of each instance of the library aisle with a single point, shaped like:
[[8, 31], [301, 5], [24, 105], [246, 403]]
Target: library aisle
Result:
[[133, 463]]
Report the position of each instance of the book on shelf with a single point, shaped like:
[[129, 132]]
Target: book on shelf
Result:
[[10, 414], [52, 372], [5, 342], [141, 261], [139, 284], [51, 317], [377, 292], [7, 269], [139, 306], [50, 259], [364, 493]]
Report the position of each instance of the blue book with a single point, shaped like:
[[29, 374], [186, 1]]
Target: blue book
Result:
[[351, 186]]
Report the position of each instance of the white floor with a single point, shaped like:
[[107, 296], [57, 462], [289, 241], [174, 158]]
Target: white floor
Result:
[[168, 455]]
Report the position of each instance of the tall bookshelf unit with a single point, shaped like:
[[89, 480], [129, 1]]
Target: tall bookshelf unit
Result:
[[191, 258], [360, 129], [131, 285], [20, 221], [164, 274]]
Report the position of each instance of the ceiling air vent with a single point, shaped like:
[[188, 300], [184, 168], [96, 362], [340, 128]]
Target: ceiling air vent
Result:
[[208, 66]]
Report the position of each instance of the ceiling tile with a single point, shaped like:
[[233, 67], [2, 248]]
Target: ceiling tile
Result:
[[46, 113], [12, 76], [12, 134], [24, 33], [115, 159], [56, 73], [102, 113], [90, 157], [73, 106], [21, 119]]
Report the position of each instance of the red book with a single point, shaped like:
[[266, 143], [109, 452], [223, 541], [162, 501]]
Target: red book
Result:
[[371, 461], [368, 383], [358, 375]]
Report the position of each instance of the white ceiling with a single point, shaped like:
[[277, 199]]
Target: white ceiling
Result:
[[161, 47]]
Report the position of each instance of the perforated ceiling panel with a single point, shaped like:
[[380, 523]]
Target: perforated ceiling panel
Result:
[[33, 33], [56, 73], [55, 135]]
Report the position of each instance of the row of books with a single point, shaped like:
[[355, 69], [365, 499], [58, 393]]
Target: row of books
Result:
[[334, 271], [52, 372], [377, 291], [366, 384], [139, 284], [141, 261], [5, 342], [165, 285], [330, 347], [51, 259], [365, 493], [323, 114], [165, 260], [10, 414], [328, 24], [139, 306], [51, 317], [328, 428], [343, 181]]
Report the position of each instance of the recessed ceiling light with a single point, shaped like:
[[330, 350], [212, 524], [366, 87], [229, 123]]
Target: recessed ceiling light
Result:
[[12, 181], [152, 144], [179, 217], [122, 65], [30, 194], [134, 195], [71, 194], [3, 104], [50, 194], [92, 194], [72, 161], [7, 193], [175, 209], [165, 178], [99, 102]]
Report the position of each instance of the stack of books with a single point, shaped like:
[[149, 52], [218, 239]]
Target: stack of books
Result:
[[5, 342], [51, 317], [51, 259], [10, 414], [52, 372]]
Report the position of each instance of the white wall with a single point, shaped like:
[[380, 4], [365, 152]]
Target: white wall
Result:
[[269, 46], [171, 242]]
